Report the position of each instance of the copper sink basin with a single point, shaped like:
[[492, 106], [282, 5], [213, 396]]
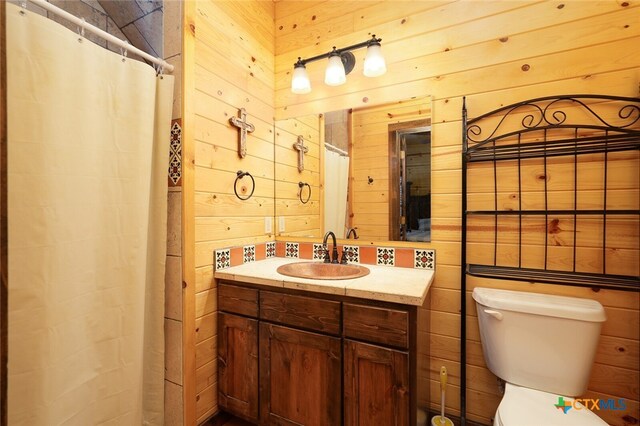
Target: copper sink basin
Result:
[[323, 271]]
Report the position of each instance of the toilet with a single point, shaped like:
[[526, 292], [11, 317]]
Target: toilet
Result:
[[543, 347]]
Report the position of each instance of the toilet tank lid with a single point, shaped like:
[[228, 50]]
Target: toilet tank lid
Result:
[[541, 304]]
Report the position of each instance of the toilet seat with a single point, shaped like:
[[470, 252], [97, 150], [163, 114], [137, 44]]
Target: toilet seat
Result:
[[529, 407]]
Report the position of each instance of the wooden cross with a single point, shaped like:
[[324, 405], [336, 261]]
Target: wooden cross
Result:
[[242, 124], [299, 146]]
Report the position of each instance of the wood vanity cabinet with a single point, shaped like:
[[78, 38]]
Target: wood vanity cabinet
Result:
[[376, 385], [300, 374], [288, 357], [238, 365]]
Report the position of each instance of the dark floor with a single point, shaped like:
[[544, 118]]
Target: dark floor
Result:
[[233, 421], [225, 419], [237, 422]]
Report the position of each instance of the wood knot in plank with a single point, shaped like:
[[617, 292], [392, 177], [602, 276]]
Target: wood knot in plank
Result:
[[554, 227]]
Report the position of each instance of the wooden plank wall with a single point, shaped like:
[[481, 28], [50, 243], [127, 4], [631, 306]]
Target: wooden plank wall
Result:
[[370, 157], [418, 160], [301, 219], [495, 53], [233, 68]]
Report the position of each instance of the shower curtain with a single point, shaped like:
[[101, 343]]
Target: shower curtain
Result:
[[336, 182], [87, 165]]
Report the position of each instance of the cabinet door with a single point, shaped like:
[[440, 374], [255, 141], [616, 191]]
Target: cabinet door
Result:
[[376, 385], [238, 365], [300, 376]]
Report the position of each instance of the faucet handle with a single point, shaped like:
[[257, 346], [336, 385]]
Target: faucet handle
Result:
[[345, 254]]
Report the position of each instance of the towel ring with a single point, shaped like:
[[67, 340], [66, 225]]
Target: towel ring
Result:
[[239, 175], [302, 185]]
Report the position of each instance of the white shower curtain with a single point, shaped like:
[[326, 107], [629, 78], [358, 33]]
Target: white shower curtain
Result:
[[87, 167], [336, 180]]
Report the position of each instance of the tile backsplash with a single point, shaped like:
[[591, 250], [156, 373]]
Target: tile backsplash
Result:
[[402, 257]]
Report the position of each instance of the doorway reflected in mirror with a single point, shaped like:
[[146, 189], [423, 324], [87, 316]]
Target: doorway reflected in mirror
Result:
[[410, 199]]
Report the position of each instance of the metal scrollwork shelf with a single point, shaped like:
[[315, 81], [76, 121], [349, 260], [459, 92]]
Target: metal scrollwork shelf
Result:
[[518, 148], [550, 195]]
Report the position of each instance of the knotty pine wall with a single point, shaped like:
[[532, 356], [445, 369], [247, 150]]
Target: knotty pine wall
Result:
[[230, 65], [495, 53], [369, 208], [302, 220]]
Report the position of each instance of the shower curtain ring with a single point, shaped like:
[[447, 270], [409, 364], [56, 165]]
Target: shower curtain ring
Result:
[[24, 7], [124, 52], [159, 69], [81, 30]]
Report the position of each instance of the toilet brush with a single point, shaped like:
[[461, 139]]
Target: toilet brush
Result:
[[441, 420]]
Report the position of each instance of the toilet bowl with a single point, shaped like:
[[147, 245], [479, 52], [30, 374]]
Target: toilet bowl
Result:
[[543, 347]]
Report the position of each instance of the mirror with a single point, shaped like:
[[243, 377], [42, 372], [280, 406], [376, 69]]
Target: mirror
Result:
[[376, 170], [297, 189]]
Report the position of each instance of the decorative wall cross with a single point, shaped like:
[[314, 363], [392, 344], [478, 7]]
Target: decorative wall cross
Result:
[[242, 124], [299, 146]]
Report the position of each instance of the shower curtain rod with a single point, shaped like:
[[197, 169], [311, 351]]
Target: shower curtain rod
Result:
[[336, 149], [105, 35]]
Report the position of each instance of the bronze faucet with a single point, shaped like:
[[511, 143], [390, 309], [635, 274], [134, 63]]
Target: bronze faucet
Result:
[[352, 231], [333, 258]]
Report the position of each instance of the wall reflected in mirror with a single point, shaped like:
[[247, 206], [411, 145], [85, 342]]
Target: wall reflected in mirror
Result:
[[297, 186], [369, 170]]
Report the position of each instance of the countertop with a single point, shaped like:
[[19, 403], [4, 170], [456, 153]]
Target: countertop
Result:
[[385, 283]]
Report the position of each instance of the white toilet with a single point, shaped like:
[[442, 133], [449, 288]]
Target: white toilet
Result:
[[543, 347]]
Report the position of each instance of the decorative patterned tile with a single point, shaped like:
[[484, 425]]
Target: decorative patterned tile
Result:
[[292, 250], [223, 258], [270, 249], [424, 259], [248, 254], [385, 256], [175, 154], [318, 252], [353, 253]]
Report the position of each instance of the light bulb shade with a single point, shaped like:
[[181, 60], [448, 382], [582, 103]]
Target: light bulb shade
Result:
[[334, 74], [300, 83], [374, 64]]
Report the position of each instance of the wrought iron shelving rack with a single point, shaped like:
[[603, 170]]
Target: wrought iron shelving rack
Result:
[[568, 126]]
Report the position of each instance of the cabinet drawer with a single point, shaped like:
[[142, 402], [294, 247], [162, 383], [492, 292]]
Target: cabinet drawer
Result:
[[239, 300], [377, 325], [300, 311]]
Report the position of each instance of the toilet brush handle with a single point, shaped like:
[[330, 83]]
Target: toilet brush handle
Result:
[[443, 378], [443, 385]]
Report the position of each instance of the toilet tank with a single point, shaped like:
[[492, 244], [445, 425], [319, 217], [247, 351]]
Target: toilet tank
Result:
[[539, 341]]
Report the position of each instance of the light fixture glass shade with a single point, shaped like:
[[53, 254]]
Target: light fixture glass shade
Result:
[[334, 74], [300, 83], [374, 64]]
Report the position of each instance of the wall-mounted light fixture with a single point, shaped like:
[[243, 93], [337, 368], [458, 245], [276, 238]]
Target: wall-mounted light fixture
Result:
[[341, 63]]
